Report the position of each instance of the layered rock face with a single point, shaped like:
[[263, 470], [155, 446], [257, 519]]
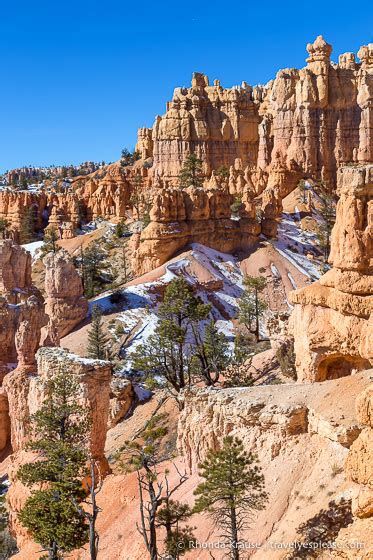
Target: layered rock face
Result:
[[300, 434], [332, 320], [104, 193], [65, 303], [180, 217], [303, 124], [215, 123], [359, 463], [21, 308], [307, 121], [47, 207], [359, 469], [15, 271]]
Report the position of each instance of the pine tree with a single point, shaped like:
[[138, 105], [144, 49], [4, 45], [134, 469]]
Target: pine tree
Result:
[[128, 158], [120, 229], [98, 341], [303, 190], [4, 227], [167, 353], [191, 173], [126, 267], [211, 353], [324, 231], [223, 172], [232, 489], [60, 435], [28, 224], [51, 236], [171, 514], [95, 266], [8, 545], [251, 306]]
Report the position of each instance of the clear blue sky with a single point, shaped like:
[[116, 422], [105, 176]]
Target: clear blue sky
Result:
[[78, 78]]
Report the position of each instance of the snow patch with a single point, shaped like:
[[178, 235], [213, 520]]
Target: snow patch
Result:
[[32, 247]]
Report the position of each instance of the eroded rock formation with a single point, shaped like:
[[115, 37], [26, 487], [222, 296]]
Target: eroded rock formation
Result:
[[303, 124], [21, 308], [122, 397], [332, 319], [65, 303], [359, 469], [24, 389], [179, 218], [301, 438], [307, 121], [15, 272]]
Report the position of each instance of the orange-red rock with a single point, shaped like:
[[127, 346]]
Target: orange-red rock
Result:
[[65, 303], [332, 319]]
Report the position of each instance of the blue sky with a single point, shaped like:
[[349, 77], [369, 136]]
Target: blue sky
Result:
[[78, 78]]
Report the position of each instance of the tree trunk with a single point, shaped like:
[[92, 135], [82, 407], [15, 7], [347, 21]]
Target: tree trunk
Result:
[[152, 541], [152, 530], [234, 543], [256, 315], [92, 541], [53, 551]]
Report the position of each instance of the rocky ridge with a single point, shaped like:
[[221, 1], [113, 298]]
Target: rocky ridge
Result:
[[332, 319]]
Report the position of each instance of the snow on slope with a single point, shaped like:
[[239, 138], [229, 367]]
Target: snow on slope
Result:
[[33, 247], [218, 280], [216, 277], [294, 244]]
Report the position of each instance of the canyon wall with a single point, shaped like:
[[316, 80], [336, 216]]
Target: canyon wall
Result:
[[103, 194], [302, 436], [180, 217], [303, 124], [308, 121], [332, 320]]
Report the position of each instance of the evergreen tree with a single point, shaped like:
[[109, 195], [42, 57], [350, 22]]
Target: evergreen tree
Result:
[[120, 229], [327, 211], [303, 190], [24, 184], [137, 195], [4, 227], [210, 353], [251, 306], [60, 436], [51, 236], [167, 353], [94, 265], [28, 224], [8, 545], [128, 158], [98, 341], [171, 514], [126, 265], [232, 489], [191, 173], [237, 206], [223, 172], [285, 355]]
